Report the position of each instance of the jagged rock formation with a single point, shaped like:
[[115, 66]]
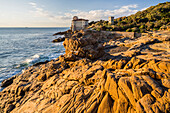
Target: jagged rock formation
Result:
[[99, 73], [60, 39]]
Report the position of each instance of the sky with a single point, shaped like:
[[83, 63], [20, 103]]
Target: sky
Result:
[[59, 13]]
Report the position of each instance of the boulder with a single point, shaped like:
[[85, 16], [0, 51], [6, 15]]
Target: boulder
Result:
[[106, 105], [84, 47], [111, 86], [9, 108], [165, 83], [7, 82], [60, 39]]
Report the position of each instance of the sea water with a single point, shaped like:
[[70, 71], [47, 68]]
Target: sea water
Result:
[[23, 47]]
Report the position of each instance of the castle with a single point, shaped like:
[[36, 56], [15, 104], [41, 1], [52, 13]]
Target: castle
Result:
[[111, 20], [78, 24]]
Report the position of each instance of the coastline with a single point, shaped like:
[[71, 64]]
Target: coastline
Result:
[[99, 72], [22, 47]]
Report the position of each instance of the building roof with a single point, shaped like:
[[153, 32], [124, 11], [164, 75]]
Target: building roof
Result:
[[80, 20]]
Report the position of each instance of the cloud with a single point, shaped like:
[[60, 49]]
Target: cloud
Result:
[[33, 4], [75, 10], [130, 6], [102, 14], [144, 9], [92, 15], [40, 12]]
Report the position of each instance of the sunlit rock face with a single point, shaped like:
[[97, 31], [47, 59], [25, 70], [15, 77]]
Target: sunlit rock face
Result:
[[98, 73]]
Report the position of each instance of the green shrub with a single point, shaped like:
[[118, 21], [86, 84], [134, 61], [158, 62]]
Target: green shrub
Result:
[[142, 30], [98, 29], [129, 30], [142, 26], [135, 29], [152, 18]]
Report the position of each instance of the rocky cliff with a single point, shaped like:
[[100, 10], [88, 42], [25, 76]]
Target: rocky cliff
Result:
[[98, 73]]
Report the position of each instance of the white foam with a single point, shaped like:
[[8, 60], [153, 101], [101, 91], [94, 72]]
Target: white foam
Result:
[[23, 70], [32, 59], [36, 56], [40, 57], [27, 61], [2, 69], [58, 44]]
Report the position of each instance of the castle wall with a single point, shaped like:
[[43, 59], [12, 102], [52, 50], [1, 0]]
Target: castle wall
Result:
[[125, 34], [78, 25]]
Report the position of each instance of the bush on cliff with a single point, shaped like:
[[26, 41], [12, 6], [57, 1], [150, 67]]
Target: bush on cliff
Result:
[[150, 19]]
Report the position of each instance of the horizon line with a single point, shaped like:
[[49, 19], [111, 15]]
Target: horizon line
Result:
[[34, 27]]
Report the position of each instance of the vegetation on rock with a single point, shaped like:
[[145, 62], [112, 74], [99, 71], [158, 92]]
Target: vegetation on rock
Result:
[[153, 18]]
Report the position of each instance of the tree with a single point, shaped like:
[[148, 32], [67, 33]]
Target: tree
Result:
[[129, 30], [142, 26]]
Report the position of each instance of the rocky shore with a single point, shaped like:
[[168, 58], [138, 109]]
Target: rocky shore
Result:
[[99, 72]]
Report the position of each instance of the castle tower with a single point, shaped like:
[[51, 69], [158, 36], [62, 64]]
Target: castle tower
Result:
[[75, 18], [78, 24], [111, 20]]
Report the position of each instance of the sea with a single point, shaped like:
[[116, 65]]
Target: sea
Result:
[[23, 47]]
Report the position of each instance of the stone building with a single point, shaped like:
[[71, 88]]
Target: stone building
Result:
[[111, 20], [78, 24]]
